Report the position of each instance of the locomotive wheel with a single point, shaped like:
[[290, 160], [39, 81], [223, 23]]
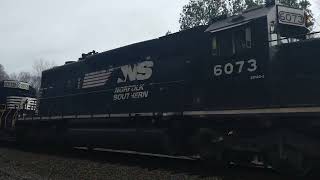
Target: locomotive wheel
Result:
[[205, 145], [170, 147], [176, 141], [289, 160], [21, 137]]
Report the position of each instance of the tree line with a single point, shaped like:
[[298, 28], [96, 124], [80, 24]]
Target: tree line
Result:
[[201, 12]]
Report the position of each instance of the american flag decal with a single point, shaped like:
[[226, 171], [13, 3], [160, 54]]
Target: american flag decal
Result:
[[95, 79]]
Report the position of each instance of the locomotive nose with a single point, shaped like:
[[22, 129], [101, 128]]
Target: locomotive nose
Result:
[[295, 72]]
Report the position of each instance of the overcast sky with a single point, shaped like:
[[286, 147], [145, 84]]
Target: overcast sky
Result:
[[61, 30]]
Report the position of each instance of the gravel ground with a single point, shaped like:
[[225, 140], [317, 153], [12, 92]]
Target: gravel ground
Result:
[[18, 164]]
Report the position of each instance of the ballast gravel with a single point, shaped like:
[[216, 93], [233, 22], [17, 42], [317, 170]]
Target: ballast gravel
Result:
[[21, 165], [25, 165]]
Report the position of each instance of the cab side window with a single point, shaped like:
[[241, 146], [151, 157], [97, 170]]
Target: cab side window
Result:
[[248, 37], [242, 40], [225, 44], [239, 41], [214, 50], [231, 42]]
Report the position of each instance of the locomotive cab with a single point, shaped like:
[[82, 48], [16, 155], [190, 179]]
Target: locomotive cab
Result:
[[238, 62], [244, 54]]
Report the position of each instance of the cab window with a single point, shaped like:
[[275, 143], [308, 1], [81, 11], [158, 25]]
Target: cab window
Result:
[[231, 42], [248, 38], [242, 40], [214, 50]]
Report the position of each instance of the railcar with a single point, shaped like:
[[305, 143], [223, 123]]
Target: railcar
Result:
[[244, 88]]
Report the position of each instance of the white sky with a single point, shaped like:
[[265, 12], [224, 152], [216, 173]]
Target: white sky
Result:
[[316, 11], [61, 30]]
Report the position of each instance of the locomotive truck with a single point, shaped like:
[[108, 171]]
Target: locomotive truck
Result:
[[243, 89]]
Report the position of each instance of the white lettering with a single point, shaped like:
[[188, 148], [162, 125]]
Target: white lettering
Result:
[[230, 68], [217, 70], [144, 70], [139, 95], [119, 97], [128, 71], [130, 92], [141, 71], [240, 64], [253, 65], [122, 90], [257, 77]]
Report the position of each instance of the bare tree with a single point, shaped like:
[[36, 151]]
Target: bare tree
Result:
[[38, 67], [3, 74], [22, 76], [34, 77], [41, 65]]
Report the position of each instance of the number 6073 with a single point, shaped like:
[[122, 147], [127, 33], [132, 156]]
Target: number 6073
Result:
[[235, 67]]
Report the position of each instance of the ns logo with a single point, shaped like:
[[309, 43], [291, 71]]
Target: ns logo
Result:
[[137, 72]]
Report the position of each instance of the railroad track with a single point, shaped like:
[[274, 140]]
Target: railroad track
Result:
[[174, 164], [188, 166]]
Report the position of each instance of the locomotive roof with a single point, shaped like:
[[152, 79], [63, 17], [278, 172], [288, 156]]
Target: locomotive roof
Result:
[[149, 46], [174, 36], [237, 20]]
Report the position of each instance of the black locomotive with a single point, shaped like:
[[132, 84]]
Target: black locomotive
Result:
[[247, 84], [15, 97]]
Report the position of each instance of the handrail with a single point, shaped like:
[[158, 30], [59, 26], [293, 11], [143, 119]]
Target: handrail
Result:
[[5, 119], [316, 32], [2, 113], [14, 120]]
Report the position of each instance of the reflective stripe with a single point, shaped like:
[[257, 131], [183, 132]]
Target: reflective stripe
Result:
[[141, 114], [56, 117], [256, 111], [97, 78], [100, 115], [119, 115], [194, 113], [68, 117], [169, 114], [84, 116], [93, 82], [95, 73], [94, 85]]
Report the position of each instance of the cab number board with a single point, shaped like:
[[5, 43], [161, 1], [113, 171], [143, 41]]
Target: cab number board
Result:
[[235, 67], [291, 18]]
